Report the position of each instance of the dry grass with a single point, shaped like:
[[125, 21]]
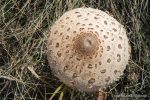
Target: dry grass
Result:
[[24, 26]]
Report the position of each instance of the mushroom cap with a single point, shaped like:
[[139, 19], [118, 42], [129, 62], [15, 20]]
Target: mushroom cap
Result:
[[87, 49]]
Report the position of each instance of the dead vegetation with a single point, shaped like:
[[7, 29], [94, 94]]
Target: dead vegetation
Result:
[[24, 71]]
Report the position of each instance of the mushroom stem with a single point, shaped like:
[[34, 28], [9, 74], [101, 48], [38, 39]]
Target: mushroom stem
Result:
[[101, 95]]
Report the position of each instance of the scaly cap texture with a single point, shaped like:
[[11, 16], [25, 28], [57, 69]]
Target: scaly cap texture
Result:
[[87, 49]]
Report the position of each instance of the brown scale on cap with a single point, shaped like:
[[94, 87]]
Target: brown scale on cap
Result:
[[86, 44]]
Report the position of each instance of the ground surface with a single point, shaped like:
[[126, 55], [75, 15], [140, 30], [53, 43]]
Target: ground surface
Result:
[[24, 71]]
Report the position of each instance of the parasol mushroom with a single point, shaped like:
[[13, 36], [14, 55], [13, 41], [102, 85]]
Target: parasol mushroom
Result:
[[88, 49]]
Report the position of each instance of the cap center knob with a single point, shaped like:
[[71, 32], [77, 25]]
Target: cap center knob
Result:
[[86, 43]]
